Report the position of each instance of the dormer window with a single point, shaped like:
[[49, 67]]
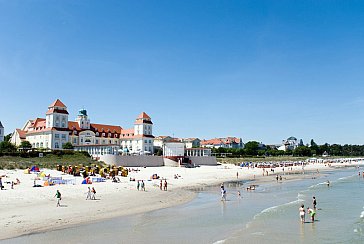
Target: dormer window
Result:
[[116, 135], [109, 134], [103, 134], [97, 133], [75, 132]]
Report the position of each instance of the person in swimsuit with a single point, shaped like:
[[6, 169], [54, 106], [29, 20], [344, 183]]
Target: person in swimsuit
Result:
[[314, 202], [302, 213], [312, 213]]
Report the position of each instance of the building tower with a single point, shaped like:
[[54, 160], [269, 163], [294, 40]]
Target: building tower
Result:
[[57, 115], [82, 119], [1, 132], [143, 129]]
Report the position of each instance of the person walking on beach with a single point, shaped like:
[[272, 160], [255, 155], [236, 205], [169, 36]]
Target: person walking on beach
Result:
[[314, 202], [138, 185], [237, 175], [223, 195], [88, 194], [160, 185], [58, 195], [165, 185], [277, 178], [302, 213], [312, 213], [142, 186], [93, 196]]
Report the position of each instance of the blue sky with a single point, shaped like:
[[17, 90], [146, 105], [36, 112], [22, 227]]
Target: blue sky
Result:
[[260, 70]]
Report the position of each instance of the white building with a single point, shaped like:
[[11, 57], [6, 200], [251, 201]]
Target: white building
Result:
[[290, 144], [160, 140], [191, 142], [173, 149], [1, 132], [97, 139]]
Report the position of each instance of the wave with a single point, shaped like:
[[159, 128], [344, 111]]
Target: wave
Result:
[[278, 208], [219, 242]]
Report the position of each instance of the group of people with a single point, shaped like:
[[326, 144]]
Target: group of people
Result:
[[12, 183], [140, 185], [163, 186], [310, 211], [91, 194]]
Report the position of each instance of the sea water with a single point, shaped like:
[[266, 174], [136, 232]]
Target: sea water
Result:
[[267, 215]]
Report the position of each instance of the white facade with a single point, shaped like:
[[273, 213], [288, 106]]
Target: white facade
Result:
[[1, 132], [97, 139], [173, 149]]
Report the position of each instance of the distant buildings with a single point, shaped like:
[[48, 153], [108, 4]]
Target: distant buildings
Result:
[[290, 144], [56, 130], [228, 142], [1, 132]]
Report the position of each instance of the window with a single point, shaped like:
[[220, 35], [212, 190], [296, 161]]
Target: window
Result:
[[146, 149], [81, 140], [37, 144], [41, 144], [56, 145], [150, 141], [56, 136], [97, 141], [97, 133], [46, 144], [74, 140], [103, 134], [109, 134], [63, 136], [63, 124], [145, 141], [75, 132]]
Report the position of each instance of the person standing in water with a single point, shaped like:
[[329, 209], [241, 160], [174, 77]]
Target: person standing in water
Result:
[[302, 213], [314, 202], [328, 183], [312, 213]]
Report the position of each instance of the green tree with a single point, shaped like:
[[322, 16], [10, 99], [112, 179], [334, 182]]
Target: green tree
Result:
[[25, 145], [6, 146], [302, 151], [251, 148], [7, 137], [67, 145]]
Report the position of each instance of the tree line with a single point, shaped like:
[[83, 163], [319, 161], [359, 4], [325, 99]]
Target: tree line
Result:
[[254, 148]]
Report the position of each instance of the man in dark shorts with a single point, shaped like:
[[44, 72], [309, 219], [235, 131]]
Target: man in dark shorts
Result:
[[314, 202]]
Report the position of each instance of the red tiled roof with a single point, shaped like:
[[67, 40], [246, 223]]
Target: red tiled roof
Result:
[[72, 125], [105, 128], [143, 115], [21, 133], [218, 141], [127, 133], [58, 103], [53, 110]]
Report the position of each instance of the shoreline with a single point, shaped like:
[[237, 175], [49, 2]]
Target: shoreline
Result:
[[29, 214]]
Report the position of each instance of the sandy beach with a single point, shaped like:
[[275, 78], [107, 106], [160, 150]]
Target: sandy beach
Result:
[[26, 209]]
